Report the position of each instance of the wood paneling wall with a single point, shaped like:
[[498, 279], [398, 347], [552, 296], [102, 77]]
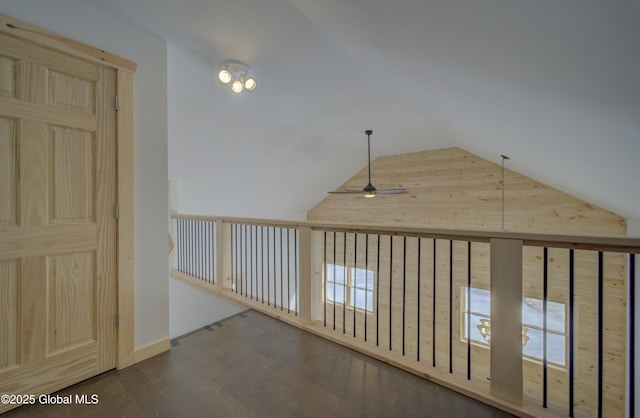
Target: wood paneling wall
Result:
[[452, 188]]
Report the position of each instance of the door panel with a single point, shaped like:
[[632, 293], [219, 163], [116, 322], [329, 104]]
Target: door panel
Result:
[[9, 313], [71, 308], [71, 154], [57, 226], [8, 177]]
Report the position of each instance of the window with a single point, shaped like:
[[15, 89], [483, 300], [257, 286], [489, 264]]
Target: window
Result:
[[354, 284], [532, 321]]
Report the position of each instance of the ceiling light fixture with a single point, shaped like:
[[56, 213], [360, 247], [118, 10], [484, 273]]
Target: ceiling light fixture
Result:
[[236, 74]]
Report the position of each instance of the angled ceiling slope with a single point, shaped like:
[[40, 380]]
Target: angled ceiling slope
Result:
[[454, 188]]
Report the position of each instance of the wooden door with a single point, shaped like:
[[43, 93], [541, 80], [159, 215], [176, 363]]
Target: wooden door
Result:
[[57, 223]]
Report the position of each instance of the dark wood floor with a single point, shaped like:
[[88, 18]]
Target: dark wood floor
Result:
[[252, 365]]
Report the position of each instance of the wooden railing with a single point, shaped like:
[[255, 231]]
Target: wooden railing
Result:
[[535, 324]]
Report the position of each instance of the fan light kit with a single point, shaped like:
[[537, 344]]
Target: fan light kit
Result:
[[369, 190], [236, 75]]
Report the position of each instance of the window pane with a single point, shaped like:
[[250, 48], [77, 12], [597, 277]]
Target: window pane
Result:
[[339, 274], [533, 314], [358, 296], [555, 346], [475, 332], [480, 301], [555, 316], [335, 293], [339, 295], [363, 278]]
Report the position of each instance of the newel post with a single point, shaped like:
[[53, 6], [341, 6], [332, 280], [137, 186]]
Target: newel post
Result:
[[223, 255], [506, 319], [305, 275]]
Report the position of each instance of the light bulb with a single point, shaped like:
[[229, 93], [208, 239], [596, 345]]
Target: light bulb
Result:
[[224, 76], [369, 194], [236, 86], [249, 83]]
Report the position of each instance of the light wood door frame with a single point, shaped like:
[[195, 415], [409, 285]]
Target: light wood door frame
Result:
[[125, 71]]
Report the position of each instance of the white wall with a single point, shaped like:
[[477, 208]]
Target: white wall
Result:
[[192, 308], [84, 22], [190, 123]]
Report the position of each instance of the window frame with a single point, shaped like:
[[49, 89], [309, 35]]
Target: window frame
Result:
[[464, 311], [351, 287]]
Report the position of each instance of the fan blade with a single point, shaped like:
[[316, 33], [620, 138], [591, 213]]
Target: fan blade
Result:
[[391, 191], [347, 191]]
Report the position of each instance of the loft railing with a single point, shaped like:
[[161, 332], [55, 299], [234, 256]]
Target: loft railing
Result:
[[535, 324]]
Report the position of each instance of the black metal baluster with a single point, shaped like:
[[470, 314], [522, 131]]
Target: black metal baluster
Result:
[[251, 277], [390, 290], [262, 263], [295, 269], [433, 328], [418, 301], [355, 288], [288, 273], [256, 276], [404, 288], [190, 258], [571, 328], [334, 280], [632, 337], [545, 290], [450, 306], [268, 272], [205, 251], [199, 244], [186, 247], [281, 275], [183, 245], [238, 259], [234, 256], [196, 249], [324, 277], [344, 283], [275, 276], [214, 256], [238, 277], [205, 248], [179, 243], [205, 254], [468, 310], [378, 294], [245, 257], [202, 244], [600, 327], [254, 290], [366, 286]]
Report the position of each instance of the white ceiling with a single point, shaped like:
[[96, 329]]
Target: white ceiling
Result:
[[553, 84]]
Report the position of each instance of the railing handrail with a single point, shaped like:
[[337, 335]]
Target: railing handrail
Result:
[[280, 223], [608, 243]]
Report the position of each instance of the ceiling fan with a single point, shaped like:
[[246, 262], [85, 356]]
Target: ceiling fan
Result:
[[369, 190]]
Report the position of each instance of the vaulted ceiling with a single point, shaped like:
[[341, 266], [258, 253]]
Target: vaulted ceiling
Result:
[[553, 84]]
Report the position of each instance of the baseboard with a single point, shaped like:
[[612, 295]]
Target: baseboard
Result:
[[151, 350]]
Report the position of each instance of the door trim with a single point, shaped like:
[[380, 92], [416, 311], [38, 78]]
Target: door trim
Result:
[[125, 71]]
